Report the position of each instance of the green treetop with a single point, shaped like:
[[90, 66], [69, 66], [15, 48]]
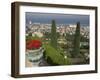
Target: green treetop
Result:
[[76, 43], [53, 35]]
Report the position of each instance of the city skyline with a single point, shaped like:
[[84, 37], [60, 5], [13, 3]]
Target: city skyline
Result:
[[46, 18]]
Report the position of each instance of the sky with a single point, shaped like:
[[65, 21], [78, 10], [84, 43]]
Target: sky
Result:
[[59, 18]]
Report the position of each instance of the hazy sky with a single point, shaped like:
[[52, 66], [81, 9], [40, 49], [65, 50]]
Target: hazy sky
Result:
[[59, 18]]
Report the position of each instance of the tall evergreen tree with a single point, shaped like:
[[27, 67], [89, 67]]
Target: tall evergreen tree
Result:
[[76, 43], [53, 34]]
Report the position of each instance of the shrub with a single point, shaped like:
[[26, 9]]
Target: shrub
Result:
[[54, 57]]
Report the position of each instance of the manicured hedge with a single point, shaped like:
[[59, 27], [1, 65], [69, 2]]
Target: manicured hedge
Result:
[[54, 57]]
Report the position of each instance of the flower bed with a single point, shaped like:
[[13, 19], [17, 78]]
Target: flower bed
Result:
[[33, 44], [34, 51]]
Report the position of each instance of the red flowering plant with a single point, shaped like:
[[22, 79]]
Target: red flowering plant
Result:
[[33, 44]]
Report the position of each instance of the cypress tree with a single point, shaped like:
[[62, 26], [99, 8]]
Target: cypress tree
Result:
[[76, 43], [53, 35]]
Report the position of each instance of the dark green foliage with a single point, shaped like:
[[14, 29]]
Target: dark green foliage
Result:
[[69, 37], [58, 34], [53, 35], [76, 43], [49, 60], [47, 35], [29, 37], [84, 47], [83, 39], [30, 34]]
